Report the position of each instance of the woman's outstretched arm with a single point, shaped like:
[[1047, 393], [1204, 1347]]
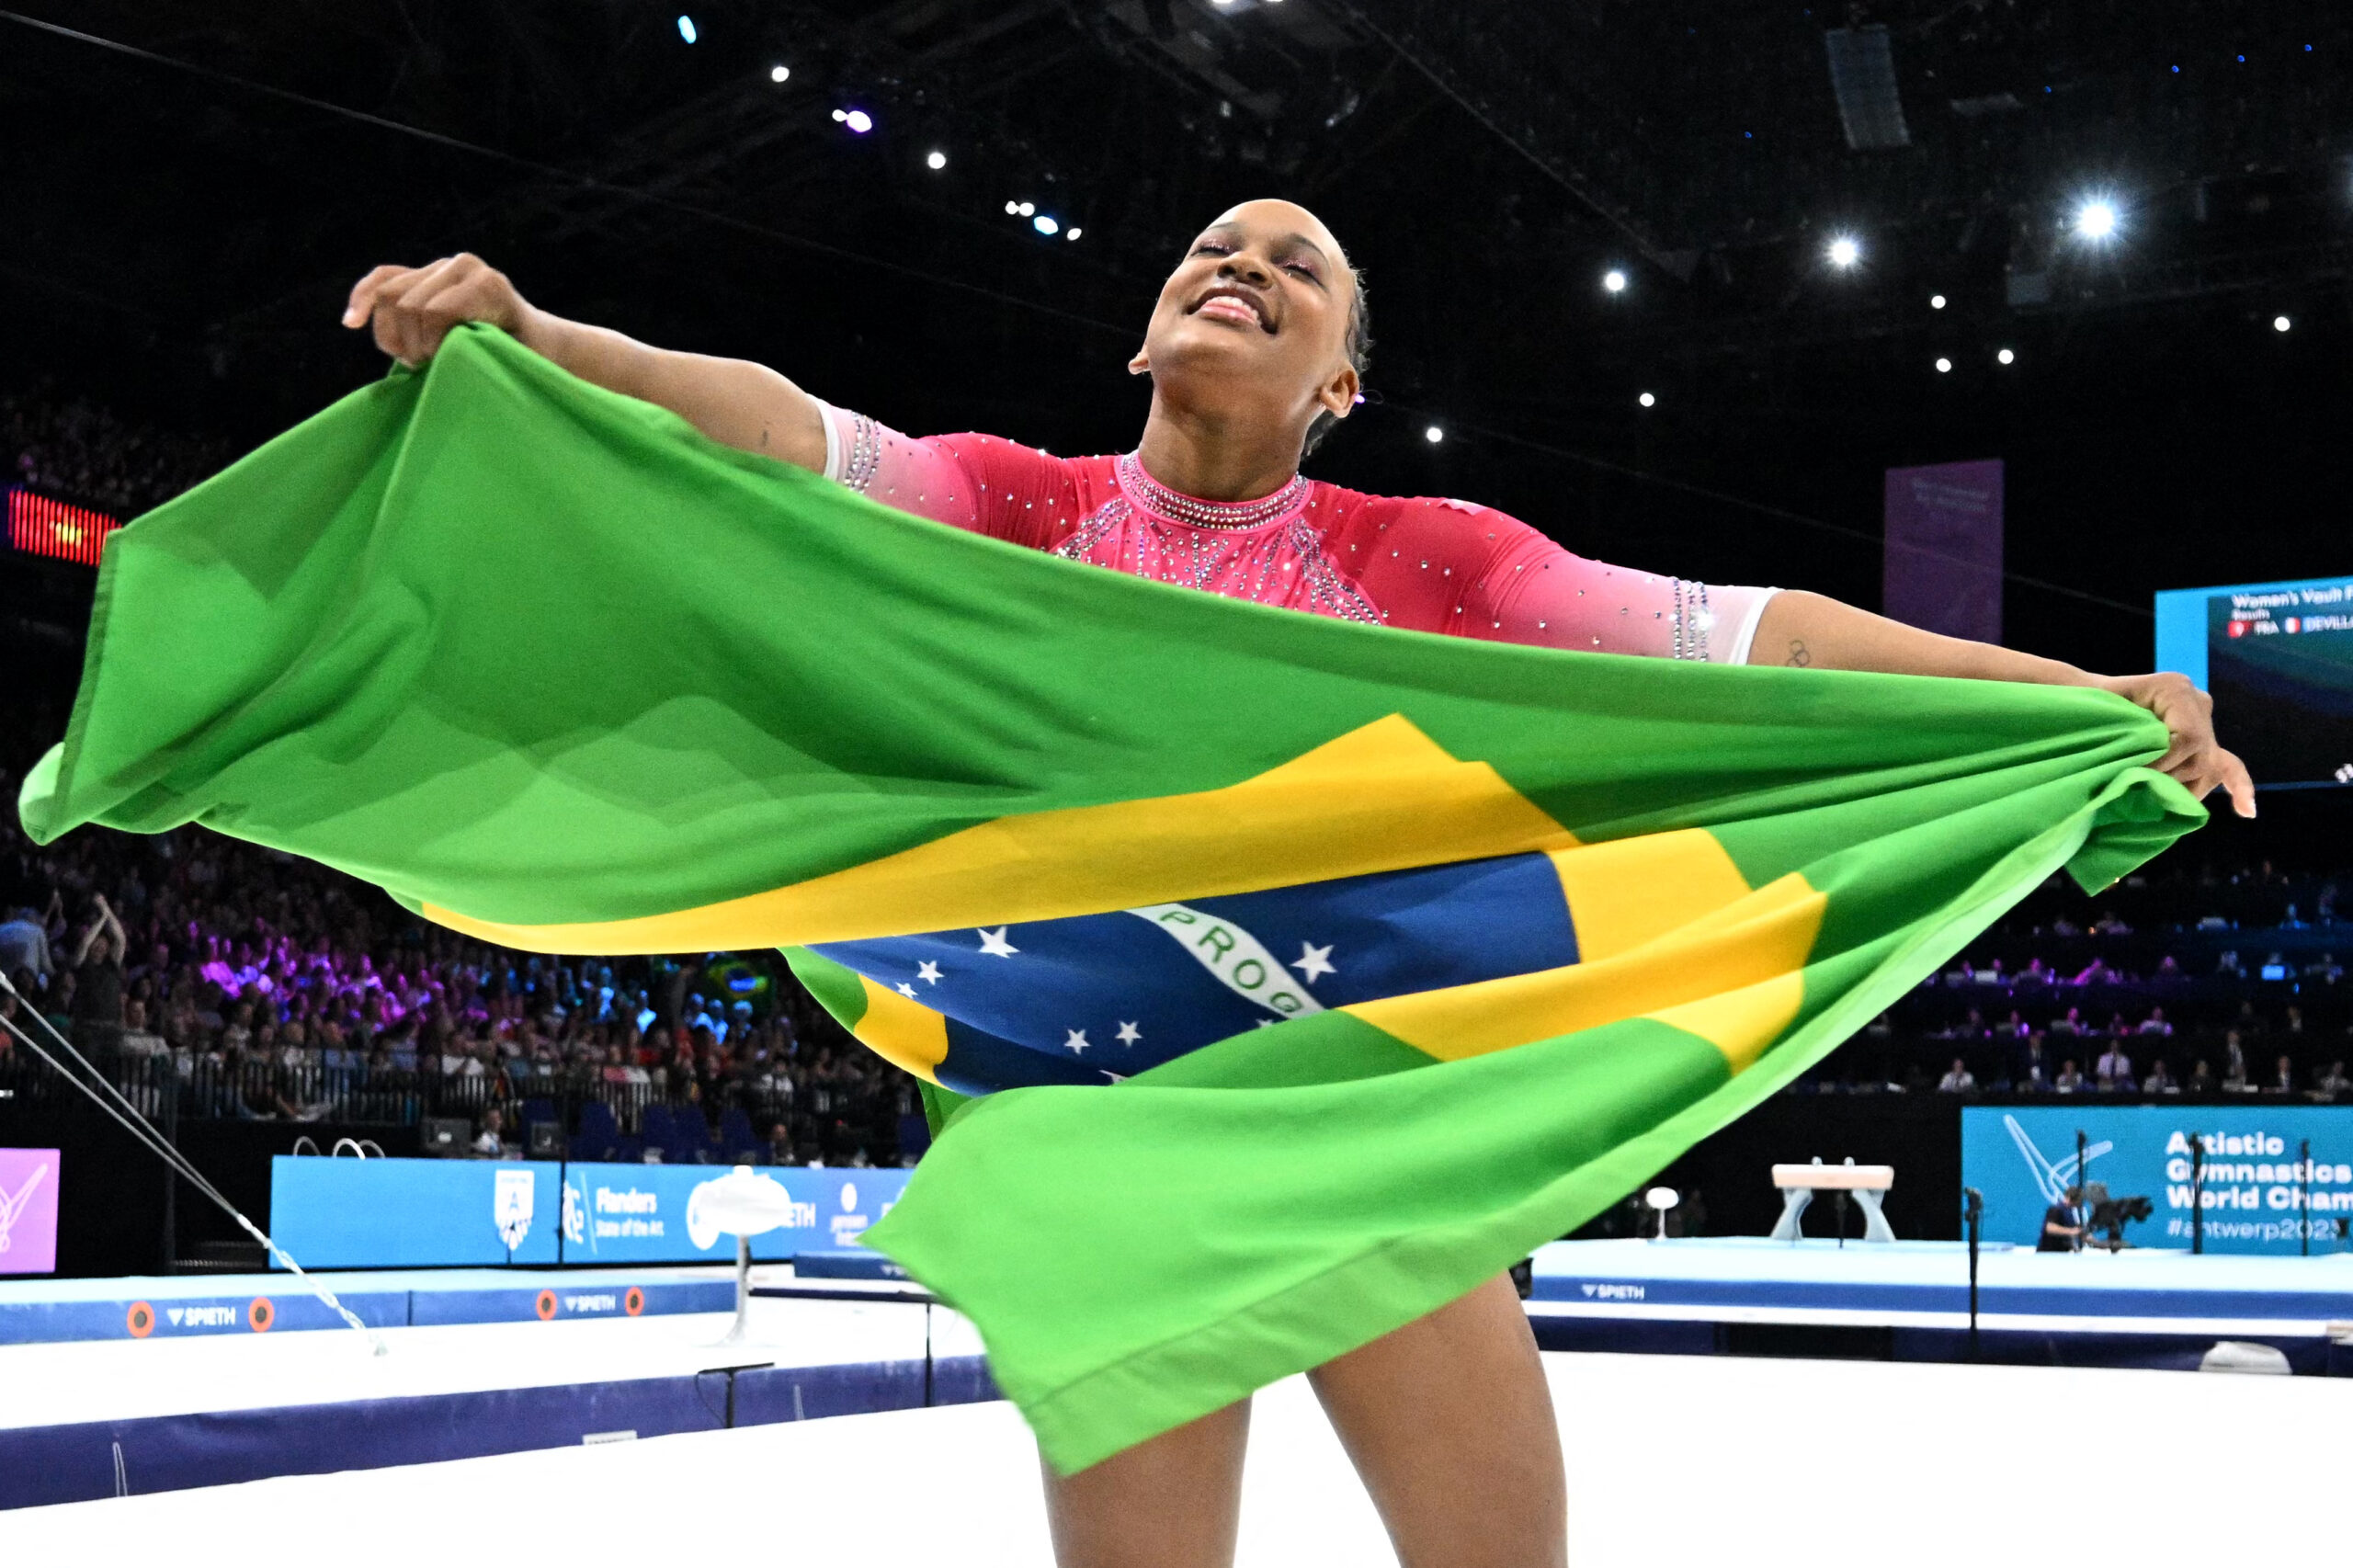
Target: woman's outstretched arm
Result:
[[731, 401], [1809, 629]]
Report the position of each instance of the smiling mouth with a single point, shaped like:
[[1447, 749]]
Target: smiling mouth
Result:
[[1236, 307]]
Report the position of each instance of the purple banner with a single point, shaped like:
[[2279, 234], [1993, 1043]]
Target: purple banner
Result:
[[1944, 549], [27, 1210]]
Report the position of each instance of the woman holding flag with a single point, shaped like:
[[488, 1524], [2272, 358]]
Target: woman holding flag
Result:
[[1254, 349]]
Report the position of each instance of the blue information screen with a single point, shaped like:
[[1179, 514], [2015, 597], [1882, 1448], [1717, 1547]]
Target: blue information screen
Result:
[[638, 1213], [2023, 1157], [346, 1213], [342, 1213], [2278, 658]]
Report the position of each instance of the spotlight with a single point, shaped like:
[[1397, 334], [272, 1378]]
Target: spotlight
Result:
[[1013, 210], [1045, 225], [687, 29], [1845, 251], [2006, 358], [2280, 323], [1433, 434], [840, 115], [1026, 210], [779, 74], [858, 121], [2096, 219], [1943, 365], [1614, 280], [1072, 232], [1648, 399], [934, 160], [1935, 302]]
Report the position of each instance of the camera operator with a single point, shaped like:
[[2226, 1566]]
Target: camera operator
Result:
[[2062, 1224]]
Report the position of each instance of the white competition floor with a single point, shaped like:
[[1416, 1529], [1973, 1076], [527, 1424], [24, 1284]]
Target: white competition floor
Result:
[[1710, 1461]]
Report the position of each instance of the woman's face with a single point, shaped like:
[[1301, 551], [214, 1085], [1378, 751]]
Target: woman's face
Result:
[[1256, 317]]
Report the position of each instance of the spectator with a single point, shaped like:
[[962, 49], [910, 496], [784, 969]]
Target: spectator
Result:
[[2283, 1077], [2154, 1024], [2334, 1082], [2114, 1067], [2033, 1075], [1959, 1080], [2234, 1063], [24, 945], [2069, 1081], [136, 1039], [491, 1143], [2201, 1079], [98, 983], [2160, 1080]]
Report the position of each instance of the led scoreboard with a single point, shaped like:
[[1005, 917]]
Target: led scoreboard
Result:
[[2278, 658], [41, 525]]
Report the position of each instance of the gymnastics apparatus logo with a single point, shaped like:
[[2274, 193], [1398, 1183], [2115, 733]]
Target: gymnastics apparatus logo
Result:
[[510, 1207], [13, 1204], [27, 1210], [2052, 1179]]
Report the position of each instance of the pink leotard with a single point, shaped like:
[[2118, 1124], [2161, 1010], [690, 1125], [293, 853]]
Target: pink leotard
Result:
[[1423, 564]]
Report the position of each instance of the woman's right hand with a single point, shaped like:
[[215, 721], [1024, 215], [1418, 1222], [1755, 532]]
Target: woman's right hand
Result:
[[414, 307]]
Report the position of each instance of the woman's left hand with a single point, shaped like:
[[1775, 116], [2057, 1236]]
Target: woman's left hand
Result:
[[2195, 758]]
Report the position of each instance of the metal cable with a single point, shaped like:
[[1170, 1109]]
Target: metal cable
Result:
[[141, 1129]]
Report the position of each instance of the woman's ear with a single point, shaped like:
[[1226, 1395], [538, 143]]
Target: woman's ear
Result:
[[1141, 364], [1338, 395]]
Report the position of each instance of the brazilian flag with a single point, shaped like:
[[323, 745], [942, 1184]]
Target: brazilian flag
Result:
[[1321, 971]]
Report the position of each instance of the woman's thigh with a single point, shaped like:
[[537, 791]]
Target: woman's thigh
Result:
[[1173, 1502], [1450, 1425]]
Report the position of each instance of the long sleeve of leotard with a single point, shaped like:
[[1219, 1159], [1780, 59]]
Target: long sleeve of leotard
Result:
[[1537, 591], [1470, 571]]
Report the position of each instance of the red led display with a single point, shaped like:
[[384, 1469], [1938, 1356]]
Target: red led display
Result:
[[39, 525]]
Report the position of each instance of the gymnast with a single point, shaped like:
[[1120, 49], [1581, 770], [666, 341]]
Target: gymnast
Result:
[[1255, 348]]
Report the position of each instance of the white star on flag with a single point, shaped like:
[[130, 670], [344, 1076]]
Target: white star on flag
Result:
[[1128, 1033], [1077, 1040], [1314, 961], [904, 989], [994, 942], [927, 972]]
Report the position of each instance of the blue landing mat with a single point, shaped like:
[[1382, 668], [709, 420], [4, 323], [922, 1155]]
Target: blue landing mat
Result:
[[165, 1453]]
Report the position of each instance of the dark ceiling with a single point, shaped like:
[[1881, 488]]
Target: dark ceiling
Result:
[[193, 187]]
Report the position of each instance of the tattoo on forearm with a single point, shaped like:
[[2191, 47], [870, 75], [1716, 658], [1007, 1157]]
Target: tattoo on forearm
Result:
[[1798, 656]]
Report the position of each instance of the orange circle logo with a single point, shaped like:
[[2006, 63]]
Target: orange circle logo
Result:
[[634, 1302], [261, 1314], [545, 1306], [140, 1321]]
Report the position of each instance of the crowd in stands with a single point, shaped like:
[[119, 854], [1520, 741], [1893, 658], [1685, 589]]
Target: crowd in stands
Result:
[[78, 452], [2188, 978], [212, 977], [215, 978]]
